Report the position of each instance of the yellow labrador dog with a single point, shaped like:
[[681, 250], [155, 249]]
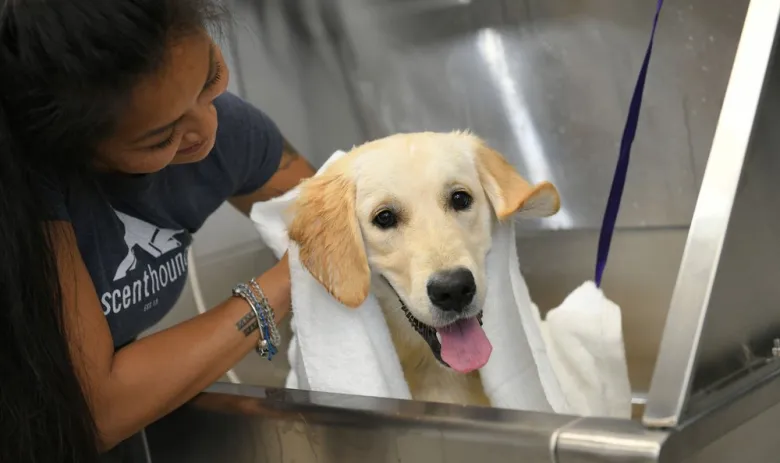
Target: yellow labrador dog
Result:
[[409, 217]]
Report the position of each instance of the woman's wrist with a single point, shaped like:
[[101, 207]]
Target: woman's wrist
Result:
[[267, 299], [276, 286]]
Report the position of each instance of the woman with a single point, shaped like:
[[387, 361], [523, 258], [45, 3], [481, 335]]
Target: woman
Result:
[[117, 140]]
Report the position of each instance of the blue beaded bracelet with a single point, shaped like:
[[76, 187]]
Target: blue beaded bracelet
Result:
[[265, 345]]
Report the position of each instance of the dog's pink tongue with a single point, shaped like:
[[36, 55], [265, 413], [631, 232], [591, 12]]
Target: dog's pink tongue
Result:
[[464, 345]]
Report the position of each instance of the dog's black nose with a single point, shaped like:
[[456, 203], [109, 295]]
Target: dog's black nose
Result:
[[452, 290]]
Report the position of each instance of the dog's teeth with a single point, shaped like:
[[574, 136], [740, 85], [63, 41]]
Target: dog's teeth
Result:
[[438, 336]]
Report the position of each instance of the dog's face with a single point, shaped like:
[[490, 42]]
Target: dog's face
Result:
[[426, 224], [416, 209]]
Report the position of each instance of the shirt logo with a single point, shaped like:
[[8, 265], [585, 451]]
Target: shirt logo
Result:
[[151, 238], [163, 261]]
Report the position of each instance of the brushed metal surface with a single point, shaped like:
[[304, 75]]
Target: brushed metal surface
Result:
[[737, 429], [547, 82], [723, 316], [754, 440], [243, 424], [246, 424], [742, 317], [608, 440]]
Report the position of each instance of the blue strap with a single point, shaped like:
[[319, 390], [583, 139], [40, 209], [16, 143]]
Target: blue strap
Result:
[[619, 179]]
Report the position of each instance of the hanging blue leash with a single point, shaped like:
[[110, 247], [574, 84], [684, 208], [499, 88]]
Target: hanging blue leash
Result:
[[619, 179]]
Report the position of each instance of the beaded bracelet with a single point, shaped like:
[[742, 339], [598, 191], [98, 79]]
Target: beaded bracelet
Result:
[[262, 343], [276, 338], [267, 344], [264, 312]]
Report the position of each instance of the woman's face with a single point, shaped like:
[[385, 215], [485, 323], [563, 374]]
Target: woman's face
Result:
[[171, 117]]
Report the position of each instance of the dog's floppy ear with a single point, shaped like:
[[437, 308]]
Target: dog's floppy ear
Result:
[[509, 192], [326, 230]]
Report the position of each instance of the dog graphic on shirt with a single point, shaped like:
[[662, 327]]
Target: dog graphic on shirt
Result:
[[151, 238]]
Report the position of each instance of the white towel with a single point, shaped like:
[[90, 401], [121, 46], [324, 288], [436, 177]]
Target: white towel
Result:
[[584, 340], [572, 363]]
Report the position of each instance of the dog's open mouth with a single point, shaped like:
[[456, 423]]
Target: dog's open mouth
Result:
[[462, 346]]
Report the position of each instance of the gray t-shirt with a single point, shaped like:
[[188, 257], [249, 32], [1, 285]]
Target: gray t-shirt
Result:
[[133, 231]]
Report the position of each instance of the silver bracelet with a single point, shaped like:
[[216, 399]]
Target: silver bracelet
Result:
[[262, 343], [265, 345], [270, 316]]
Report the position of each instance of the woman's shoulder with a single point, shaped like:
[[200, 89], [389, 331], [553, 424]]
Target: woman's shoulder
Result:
[[248, 144], [240, 122]]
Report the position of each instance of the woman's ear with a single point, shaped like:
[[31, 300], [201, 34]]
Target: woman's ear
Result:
[[326, 230], [509, 192]]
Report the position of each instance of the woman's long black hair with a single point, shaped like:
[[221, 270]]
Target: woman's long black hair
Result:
[[66, 71]]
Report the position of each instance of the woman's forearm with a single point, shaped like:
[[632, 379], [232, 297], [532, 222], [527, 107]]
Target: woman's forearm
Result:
[[157, 374]]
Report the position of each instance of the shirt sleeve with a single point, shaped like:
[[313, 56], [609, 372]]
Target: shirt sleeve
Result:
[[249, 142]]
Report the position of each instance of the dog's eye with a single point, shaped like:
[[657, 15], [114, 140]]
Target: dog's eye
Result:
[[385, 219], [460, 200]]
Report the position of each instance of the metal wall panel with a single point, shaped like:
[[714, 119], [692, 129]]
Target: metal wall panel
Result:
[[547, 82]]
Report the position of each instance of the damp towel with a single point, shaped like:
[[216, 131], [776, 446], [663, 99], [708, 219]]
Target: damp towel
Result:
[[572, 362]]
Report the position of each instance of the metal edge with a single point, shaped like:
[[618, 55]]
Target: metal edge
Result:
[[707, 427], [325, 407], [671, 380], [554, 438], [553, 445], [610, 440], [607, 440]]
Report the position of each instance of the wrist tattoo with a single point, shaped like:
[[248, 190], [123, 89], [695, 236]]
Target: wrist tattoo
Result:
[[247, 324]]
